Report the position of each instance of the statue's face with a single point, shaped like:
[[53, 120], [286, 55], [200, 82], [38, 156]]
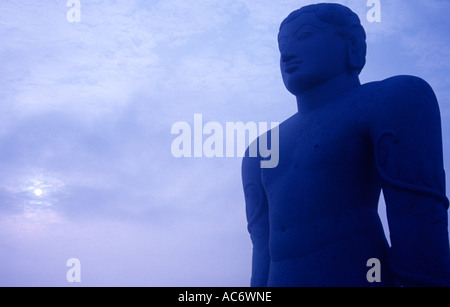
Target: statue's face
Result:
[[311, 53]]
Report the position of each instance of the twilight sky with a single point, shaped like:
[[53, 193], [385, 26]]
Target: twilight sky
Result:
[[86, 116]]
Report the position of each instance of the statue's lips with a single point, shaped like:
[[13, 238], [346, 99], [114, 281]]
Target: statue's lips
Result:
[[292, 67]]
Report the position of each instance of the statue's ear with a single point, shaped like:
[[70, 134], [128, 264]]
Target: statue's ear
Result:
[[356, 50]]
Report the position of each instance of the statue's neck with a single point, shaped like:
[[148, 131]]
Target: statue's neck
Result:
[[328, 91]]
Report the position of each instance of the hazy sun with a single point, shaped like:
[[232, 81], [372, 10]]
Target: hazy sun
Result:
[[38, 192]]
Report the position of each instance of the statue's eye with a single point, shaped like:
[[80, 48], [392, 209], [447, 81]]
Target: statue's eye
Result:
[[283, 42], [305, 34]]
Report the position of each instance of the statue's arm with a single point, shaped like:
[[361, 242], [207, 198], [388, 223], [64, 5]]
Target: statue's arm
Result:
[[258, 220], [407, 141]]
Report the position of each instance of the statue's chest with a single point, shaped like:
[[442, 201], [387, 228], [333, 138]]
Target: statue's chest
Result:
[[318, 144]]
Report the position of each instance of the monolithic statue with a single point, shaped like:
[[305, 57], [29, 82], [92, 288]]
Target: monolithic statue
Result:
[[313, 219]]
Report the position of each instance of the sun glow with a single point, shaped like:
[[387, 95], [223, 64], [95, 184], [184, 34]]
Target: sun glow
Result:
[[38, 192]]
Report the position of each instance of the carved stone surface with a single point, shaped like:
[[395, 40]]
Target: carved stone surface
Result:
[[313, 219]]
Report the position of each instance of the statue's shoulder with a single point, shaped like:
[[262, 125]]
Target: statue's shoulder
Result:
[[404, 84], [400, 101], [400, 92]]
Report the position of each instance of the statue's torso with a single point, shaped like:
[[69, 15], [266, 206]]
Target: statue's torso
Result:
[[323, 197]]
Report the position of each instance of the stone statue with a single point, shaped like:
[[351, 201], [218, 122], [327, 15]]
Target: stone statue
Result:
[[313, 219]]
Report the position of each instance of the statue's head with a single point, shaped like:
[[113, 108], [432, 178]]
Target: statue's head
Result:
[[319, 42]]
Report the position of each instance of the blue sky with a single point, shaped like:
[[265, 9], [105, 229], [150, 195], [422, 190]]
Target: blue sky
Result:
[[87, 110]]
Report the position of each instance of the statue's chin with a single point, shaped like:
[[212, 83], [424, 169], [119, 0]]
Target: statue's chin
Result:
[[300, 82], [298, 86]]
